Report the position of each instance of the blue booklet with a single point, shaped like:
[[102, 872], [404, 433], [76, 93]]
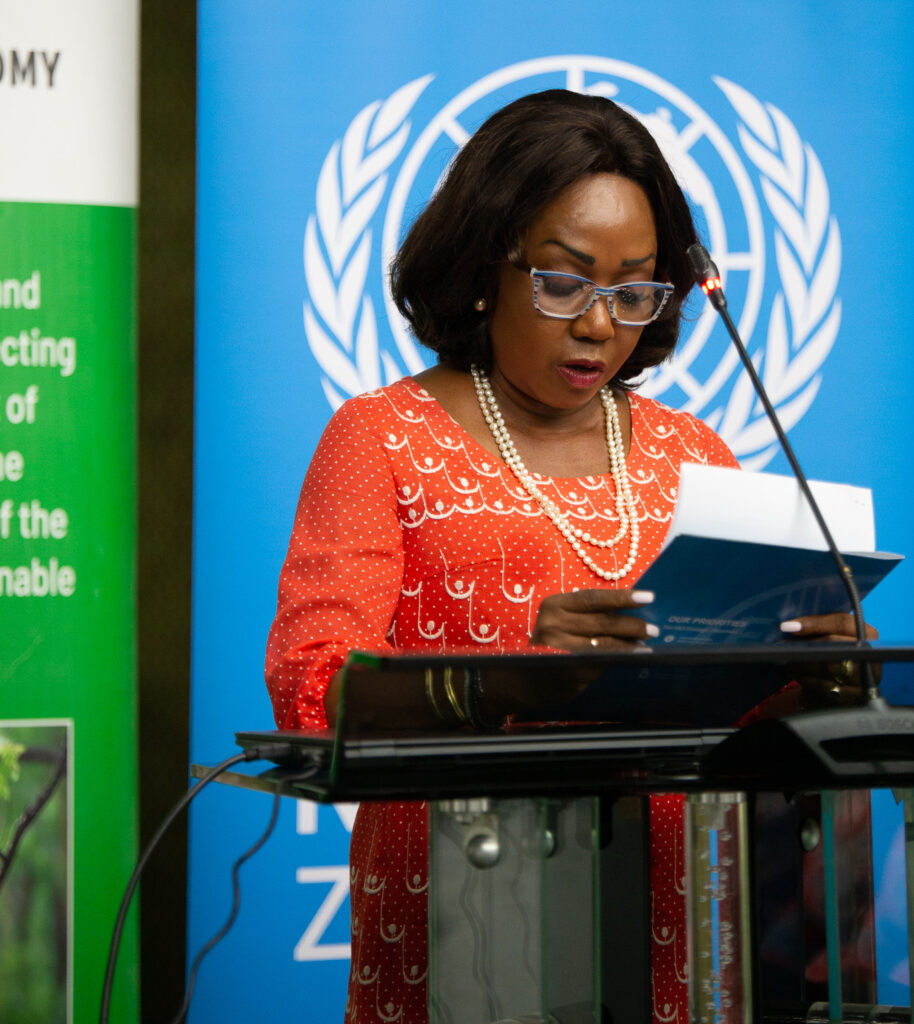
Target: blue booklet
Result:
[[739, 592]]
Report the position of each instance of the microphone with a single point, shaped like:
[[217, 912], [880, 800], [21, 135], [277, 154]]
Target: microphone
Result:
[[874, 747], [708, 278], [707, 275]]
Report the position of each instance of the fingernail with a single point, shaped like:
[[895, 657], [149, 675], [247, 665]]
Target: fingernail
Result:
[[791, 626], [643, 596], [652, 630]]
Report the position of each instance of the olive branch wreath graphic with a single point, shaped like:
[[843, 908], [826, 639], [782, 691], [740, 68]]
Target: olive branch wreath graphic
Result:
[[339, 318]]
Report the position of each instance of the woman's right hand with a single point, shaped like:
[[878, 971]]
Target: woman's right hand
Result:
[[588, 620], [583, 621]]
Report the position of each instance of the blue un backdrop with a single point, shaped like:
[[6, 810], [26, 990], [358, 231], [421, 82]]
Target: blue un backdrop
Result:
[[321, 133]]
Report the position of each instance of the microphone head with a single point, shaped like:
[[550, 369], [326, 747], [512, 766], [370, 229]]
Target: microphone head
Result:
[[706, 274], [702, 264]]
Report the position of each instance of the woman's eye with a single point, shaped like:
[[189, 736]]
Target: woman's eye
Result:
[[562, 287], [633, 297]]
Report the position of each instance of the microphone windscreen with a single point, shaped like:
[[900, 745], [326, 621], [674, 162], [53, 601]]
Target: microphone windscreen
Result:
[[702, 265]]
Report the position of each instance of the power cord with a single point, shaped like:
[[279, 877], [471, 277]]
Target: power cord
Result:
[[263, 752], [236, 906]]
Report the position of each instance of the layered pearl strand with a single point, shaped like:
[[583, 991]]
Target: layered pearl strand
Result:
[[578, 539]]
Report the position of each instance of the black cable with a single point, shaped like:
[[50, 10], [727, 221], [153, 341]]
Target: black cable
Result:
[[236, 895], [268, 751], [233, 914]]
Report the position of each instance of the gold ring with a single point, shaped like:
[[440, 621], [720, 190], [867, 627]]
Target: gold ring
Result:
[[594, 641], [843, 677]]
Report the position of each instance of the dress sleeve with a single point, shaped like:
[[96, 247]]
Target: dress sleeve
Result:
[[341, 578]]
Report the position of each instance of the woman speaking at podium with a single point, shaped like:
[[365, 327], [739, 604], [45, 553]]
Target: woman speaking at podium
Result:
[[508, 497]]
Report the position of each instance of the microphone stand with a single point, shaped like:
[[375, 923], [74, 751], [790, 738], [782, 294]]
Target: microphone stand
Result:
[[842, 729]]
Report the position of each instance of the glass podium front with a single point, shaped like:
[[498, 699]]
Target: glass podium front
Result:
[[513, 909], [540, 896]]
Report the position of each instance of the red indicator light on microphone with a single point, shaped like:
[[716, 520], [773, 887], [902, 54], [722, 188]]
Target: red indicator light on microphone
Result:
[[711, 284]]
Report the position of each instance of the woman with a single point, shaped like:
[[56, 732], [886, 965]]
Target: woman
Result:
[[511, 495]]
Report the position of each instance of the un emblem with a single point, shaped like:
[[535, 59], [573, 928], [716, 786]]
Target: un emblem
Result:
[[760, 200]]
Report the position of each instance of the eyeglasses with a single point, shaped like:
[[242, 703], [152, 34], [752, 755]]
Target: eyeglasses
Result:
[[567, 296]]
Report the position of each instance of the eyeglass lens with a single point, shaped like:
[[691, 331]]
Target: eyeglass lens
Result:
[[570, 296]]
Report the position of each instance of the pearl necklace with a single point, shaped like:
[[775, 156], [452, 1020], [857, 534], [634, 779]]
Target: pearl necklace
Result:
[[576, 537]]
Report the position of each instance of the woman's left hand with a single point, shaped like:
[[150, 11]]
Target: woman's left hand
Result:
[[828, 683]]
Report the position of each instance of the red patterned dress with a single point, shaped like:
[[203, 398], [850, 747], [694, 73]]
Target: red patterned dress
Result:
[[410, 536]]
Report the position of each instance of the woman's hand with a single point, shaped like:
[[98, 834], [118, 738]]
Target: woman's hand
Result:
[[588, 620], [582, 621], [828, 683], [836, 628], [585, 620]]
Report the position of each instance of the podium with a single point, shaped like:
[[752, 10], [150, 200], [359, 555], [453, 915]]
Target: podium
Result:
[[539, 905]]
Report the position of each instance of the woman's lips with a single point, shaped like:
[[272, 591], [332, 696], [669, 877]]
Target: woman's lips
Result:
[[581, 375]]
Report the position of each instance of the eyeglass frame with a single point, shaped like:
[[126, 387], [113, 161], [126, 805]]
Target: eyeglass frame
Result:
[[599, 291]]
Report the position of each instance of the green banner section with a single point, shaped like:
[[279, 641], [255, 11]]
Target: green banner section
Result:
[[67, 577]]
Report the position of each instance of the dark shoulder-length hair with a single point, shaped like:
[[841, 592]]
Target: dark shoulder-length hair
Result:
[[521, 158]]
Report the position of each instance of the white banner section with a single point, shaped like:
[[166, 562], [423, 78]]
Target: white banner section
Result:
[[69, 97]]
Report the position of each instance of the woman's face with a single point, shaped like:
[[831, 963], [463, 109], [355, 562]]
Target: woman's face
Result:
[[601, 227]]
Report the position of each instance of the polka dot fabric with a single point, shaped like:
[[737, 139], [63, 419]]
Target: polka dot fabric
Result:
[[409, 535]]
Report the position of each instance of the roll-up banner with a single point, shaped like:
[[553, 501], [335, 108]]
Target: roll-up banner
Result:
[[68, 192], [322, 131]]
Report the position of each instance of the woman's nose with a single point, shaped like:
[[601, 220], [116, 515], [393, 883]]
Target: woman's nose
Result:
[[596, 323]]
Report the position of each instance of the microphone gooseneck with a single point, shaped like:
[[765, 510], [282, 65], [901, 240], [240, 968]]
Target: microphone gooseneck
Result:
[[708, 278]]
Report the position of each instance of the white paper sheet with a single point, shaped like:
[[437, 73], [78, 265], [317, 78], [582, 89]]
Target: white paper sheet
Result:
[[770, 509]]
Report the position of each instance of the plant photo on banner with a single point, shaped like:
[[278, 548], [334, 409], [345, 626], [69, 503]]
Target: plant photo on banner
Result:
[[36, 867]]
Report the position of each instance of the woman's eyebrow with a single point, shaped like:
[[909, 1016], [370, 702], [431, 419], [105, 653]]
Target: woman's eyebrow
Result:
[[583, 257], [578, 255], [638, 262]]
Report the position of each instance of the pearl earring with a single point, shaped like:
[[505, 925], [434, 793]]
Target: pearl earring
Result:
[[480, 305]]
